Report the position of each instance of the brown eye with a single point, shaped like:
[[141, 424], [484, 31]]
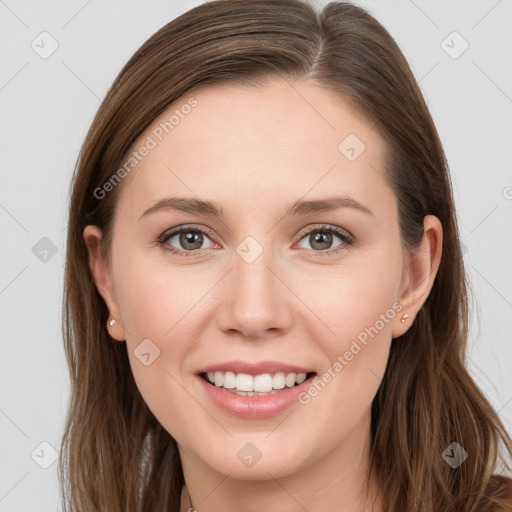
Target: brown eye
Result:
[[321, 239], [190, 239], [185, 240]]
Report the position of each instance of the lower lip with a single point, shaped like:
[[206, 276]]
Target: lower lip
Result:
[[253, 406]]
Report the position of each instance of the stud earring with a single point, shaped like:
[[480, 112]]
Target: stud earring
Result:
[[404, 318], [111, 322]]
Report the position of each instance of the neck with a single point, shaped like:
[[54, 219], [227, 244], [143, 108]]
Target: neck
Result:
[[334, 481]]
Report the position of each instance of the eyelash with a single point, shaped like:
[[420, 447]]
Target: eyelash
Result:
[[347, 239]]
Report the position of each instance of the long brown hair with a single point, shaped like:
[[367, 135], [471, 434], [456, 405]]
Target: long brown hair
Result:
[[115, 456]]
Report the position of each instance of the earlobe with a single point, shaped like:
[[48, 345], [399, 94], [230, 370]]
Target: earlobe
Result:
[[103, 280], [420, 274]]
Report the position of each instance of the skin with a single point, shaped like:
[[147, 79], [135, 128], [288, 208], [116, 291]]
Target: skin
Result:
[[240, 146]]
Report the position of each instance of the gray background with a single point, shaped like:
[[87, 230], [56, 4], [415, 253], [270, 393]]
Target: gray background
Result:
[[48, 104]]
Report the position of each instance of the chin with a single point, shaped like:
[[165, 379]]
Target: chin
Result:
[[256, 457]]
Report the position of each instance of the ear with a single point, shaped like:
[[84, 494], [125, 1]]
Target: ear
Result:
[[103, 279], [420, 272]]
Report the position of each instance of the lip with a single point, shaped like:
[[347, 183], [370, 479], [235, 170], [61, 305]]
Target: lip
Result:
[[253, 407], [240, 366]]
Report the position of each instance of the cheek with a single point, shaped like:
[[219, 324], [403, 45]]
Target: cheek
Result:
[[356, 300], [359, 307], [365, 310], [160, 309], [154, 295]]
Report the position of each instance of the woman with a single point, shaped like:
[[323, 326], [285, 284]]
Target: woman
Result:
[[265, 297]]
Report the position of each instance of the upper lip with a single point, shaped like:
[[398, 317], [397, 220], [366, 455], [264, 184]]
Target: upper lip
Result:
[[260, 368]]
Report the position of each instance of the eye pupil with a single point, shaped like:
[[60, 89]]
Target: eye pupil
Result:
[[323, 238], [191, 237]]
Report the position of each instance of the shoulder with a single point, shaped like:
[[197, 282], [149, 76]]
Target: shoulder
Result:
[[497, 496]]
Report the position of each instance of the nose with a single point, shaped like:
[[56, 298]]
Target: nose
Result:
[[256, 301]]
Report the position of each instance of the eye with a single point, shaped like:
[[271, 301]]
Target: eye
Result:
[[189, 238], [321, 239]]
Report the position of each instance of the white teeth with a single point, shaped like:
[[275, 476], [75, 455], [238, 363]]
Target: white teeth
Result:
[[289, 380], [263, 384], [278, 381], [229, 380], [219, 378], [301, 377], [244, 382]]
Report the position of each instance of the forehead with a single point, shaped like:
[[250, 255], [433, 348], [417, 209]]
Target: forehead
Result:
[[259, 142]]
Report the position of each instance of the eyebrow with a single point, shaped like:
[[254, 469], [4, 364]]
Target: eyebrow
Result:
[[299, 207]]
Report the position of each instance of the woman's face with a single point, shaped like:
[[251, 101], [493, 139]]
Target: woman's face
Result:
[[260, 284]]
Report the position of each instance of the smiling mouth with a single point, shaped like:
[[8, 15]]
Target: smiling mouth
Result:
[[243, 384]]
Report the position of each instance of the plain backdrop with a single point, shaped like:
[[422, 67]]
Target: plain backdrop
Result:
[[461, 54]]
